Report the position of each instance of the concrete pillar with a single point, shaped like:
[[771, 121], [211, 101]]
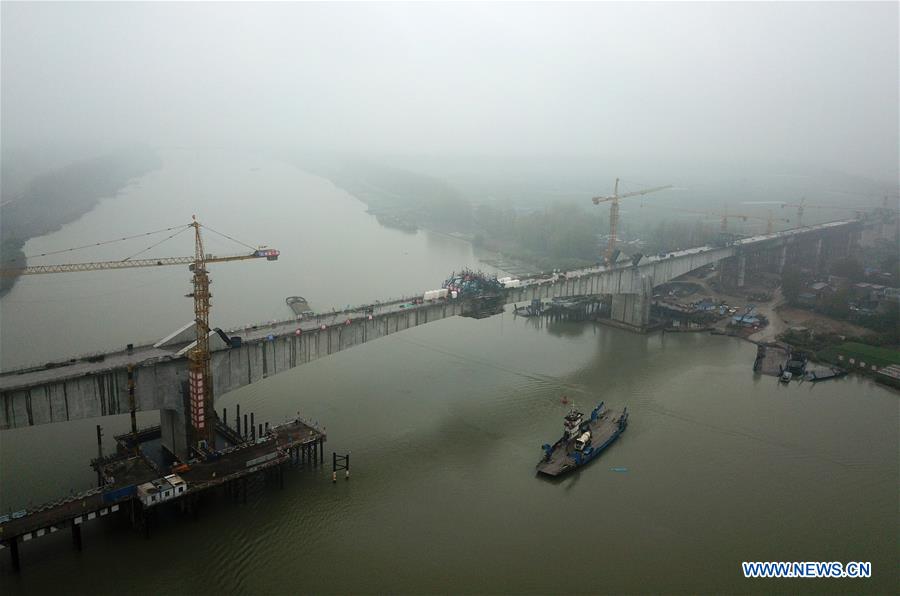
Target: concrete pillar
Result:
[[631, 309], [852, 242], [818, 260], [742, 270], [174, 433], [782, 259]]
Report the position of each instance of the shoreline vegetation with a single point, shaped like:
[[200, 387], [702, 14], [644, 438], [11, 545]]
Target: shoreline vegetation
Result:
[[560, 235], [55, 198], [520, 235]]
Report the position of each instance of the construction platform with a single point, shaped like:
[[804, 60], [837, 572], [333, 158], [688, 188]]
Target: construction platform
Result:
[[136, 479]]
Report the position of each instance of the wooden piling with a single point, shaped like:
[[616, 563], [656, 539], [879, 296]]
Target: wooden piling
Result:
[[14, 554], [76, 535], [99, 453], [132, 407]]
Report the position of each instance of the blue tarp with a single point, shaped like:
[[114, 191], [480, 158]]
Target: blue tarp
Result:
[[744, 320]]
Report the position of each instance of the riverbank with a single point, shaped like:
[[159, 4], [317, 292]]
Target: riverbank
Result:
[[511, 237], [61, 196]]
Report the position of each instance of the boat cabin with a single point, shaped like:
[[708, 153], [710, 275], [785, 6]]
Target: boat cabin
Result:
[[572, 423]]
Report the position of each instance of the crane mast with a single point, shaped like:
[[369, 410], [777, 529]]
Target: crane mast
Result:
[[613, 221], [200, 377], [613, 201], [200, 387]]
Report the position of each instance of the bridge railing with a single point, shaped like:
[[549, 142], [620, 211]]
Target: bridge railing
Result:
[[62, 362], [347, 310], [62, 501]]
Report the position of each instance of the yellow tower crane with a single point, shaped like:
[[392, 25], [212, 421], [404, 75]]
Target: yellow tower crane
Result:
[[199, 374], [613, 201]]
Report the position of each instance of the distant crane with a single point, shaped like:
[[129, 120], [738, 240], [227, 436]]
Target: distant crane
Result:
[[199, 375], [804, 205], [724, 216], [613, 201]]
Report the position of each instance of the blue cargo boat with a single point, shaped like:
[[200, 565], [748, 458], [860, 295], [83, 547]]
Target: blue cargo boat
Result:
[[582, 440]]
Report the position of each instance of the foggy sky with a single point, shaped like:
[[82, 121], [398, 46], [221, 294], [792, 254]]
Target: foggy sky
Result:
[[813, 83]]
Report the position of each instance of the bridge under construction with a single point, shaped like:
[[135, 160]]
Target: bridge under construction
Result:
[[207, 452], [154, 375]]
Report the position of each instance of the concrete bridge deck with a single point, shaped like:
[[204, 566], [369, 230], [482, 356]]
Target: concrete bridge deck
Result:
[[98, 386]]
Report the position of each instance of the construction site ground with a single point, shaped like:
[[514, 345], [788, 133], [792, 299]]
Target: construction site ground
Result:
[[780, 315]]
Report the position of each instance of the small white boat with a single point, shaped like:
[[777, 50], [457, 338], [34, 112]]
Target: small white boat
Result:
[[786, 377]]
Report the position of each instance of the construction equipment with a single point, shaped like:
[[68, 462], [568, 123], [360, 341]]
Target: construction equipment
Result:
[[468, 284], [613, 201], [804, 205], [770, 219], [200, 378]]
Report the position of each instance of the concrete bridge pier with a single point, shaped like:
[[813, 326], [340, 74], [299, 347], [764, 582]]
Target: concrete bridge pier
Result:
[[174, 425], [733, 271], [854, 237], [633, 310], [818, 261], [174, 433]]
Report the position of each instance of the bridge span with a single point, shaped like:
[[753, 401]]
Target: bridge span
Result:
[[98, 386]]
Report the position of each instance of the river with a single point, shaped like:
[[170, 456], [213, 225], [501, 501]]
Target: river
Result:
[[444, 423]]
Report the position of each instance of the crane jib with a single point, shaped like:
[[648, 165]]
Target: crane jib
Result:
[[270, 254]]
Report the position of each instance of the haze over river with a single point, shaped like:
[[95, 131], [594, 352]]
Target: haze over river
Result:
[[445, 424]]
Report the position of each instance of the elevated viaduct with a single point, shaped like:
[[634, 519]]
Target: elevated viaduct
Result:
[[98, 386]]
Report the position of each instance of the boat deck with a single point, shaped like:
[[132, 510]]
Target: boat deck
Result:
[[602, 430]]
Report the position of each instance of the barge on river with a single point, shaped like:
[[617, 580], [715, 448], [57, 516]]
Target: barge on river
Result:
[[582, 440]]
